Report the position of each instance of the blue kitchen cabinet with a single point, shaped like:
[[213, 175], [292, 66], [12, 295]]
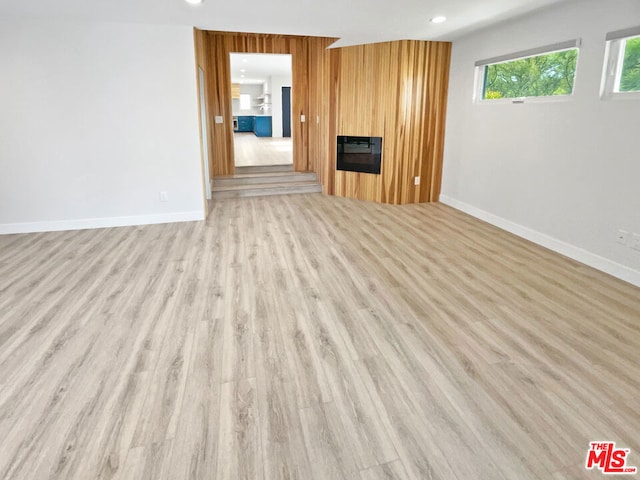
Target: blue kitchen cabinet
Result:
[[245, 123], [262, 126]]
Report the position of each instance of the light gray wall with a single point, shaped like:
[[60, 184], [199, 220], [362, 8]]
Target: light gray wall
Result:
[[96, 120], [564, 174]]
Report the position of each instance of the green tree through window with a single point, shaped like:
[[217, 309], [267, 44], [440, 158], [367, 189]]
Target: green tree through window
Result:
[[630, 77], [543, 75]]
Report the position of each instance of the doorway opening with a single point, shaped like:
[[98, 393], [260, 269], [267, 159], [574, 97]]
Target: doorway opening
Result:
[[261, 106]]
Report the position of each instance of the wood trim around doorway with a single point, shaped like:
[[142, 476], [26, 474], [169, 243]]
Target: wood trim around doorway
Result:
[[219, 46]]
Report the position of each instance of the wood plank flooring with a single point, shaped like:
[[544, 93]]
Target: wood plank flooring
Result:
[[310, 337], [255, 151]]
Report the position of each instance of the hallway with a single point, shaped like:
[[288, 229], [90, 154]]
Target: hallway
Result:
[[253, 151]]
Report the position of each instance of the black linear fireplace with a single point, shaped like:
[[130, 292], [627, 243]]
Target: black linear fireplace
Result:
[[359, 154]]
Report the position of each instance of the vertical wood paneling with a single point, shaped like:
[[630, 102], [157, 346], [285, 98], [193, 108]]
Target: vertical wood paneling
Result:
[[330, 142], [439, 58], [299, 103], [305, 52], [222, 158], [395, 90]]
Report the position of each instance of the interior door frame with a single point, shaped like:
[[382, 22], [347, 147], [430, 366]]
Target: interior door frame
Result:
[[230, 99], [204, 144]]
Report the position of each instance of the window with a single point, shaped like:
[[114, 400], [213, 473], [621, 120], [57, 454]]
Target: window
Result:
[[630, 72], [542, 72], [621, 76], [245, 101]]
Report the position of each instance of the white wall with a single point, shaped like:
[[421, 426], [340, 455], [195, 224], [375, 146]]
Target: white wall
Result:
[[95, 120], [277, 82], [567, 174]]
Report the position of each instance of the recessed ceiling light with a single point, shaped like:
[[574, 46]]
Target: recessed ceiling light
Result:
[[242, 70], [194, 2], [241, 76], [439, 19], [244, 60]]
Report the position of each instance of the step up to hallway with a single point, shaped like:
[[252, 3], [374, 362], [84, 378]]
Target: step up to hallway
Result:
[[265, 182], [262, 178]]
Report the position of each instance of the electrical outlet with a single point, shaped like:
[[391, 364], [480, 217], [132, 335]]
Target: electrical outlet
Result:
[[623, 237], [635, 241], [164, 196], [416, 180], [302, 118], [218, 119]]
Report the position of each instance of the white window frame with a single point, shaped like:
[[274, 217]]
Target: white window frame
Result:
[[613, 62], [478, 88], [245, 101]]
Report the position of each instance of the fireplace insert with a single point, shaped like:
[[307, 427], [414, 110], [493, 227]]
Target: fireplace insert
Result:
[[359, 154]]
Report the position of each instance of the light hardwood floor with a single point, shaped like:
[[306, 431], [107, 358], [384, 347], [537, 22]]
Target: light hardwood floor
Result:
[[310, 337], [256, 151]]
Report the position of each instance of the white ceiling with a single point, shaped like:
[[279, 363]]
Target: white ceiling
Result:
[[353, 21], [258, 67]]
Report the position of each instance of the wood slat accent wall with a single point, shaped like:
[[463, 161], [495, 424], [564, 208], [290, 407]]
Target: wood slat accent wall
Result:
[[396, 90], [221, 44], [321, 115]]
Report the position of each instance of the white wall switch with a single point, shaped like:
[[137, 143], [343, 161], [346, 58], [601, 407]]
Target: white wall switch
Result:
[[635, 241], [164, 196], [623, 236], [302, 118], [218, 119], [416, 180]]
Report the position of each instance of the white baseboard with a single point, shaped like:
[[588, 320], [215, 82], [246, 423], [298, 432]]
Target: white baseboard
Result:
[[106, 222], [583, 256]]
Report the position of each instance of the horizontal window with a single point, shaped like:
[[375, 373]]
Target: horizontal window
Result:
[[621, 77], [543, 72], [629, 80]]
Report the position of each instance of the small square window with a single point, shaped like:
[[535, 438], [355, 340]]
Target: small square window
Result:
[[245, 101], [629, 78], [621, 76]]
